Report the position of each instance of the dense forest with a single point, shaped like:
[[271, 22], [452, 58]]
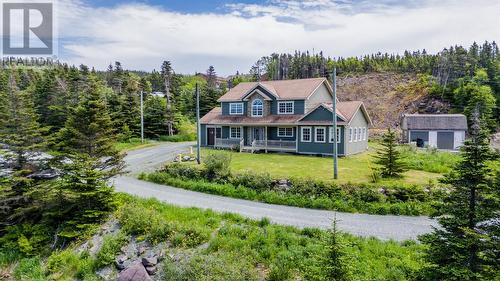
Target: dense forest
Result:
[[457, 74]]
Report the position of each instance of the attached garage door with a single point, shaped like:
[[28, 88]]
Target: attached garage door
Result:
[[445, 140]]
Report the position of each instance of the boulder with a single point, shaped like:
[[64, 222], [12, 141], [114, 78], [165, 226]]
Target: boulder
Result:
[[136, 272], [151, 261], [151, 270]]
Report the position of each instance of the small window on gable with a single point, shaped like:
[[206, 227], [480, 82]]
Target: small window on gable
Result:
[[236, 108], [285, 107], [257, 108]]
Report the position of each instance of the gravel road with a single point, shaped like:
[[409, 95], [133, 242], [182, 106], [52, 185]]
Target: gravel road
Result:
[[383, 227]]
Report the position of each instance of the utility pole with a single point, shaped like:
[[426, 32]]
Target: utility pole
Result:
[[334, 105], [142, 117], [198, 126]]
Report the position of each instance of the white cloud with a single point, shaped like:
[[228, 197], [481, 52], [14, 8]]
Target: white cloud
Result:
[[141, 36]]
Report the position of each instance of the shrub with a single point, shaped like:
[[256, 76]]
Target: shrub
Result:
[[178, 138], [71, 265], [110, 247], [184, 171], [217, 166], [253, 180]]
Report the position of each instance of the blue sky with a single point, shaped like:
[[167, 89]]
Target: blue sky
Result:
[[183, 6], [233, 34]]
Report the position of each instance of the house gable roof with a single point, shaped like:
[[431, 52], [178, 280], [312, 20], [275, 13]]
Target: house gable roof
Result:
[[327, 107], [434, 122], [299, 89]]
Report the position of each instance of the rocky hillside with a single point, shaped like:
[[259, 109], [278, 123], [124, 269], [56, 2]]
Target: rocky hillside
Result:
[[388, 95]]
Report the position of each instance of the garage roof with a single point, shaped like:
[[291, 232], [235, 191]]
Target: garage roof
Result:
[[434, 122]]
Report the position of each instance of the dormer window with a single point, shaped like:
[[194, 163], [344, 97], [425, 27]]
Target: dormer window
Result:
[[236, 108], [257, 108], [285, 107]]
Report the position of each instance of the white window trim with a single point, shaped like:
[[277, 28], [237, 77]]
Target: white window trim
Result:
[[234, 104], [262, 109], [355, 138], [302, 134], [364, 133], [350, 134], [231, 133], [360, 137], [330, 136], [285, 102], [316, 134], [285, 135]]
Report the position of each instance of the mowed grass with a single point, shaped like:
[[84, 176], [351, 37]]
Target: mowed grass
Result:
[[354, 169]]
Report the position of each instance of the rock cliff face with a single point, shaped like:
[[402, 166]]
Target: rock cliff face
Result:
[[388, 95]]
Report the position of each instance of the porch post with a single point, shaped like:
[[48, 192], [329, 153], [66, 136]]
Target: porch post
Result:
[[265, 136]]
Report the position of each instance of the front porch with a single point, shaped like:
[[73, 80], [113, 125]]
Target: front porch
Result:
[[257, 138]]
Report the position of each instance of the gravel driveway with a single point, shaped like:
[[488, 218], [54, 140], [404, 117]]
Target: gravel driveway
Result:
[[384, 227]]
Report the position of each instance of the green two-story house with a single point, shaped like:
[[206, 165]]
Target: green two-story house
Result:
[[288, 116]]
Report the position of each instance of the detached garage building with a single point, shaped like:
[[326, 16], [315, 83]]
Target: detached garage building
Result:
[[442, 131]]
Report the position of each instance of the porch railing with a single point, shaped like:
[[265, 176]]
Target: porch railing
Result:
[[274, 144], [228, 143]]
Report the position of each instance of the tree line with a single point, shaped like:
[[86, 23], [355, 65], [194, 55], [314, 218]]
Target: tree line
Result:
[[449, 71]]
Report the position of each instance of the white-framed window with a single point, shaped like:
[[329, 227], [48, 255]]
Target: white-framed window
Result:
[[320, 134], [361, 133], [257, 108], [365, 133], [285, 132], [235, 133], [339, 136], [355, 136], [286, 107], [236, 108], [350, 134], [305, 134]]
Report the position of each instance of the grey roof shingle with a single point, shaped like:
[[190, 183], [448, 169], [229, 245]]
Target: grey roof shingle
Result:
[[434, 122]]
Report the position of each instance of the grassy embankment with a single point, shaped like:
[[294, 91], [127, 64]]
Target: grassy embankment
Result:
[[210, 246]]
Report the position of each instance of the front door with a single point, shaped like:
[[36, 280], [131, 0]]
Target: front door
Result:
[[210, 136], [258, 133]]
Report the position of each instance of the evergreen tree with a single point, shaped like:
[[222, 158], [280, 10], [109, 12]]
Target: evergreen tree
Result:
[[21, 131], [388, 157], [466, 245], [89, 131], [154, 117], [337, 265]]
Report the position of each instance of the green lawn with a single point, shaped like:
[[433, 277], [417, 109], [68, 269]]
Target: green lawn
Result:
[[354, 169]]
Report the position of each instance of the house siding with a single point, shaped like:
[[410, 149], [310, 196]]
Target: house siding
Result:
[[272, 134], [319, 147], [320, 114], [358, 121], [225, 108], [298, 107], [203, 134], [321, 95]]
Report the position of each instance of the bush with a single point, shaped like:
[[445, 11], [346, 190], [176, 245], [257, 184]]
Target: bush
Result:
[[184, 171], [71, 265], [252, 180], [217, 166], [110, 247], [310, 187], [178, 138]]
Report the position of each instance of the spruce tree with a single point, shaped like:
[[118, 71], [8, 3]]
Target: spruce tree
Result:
[[20, 130], [388, 157], [465, 247], [337, 264], [89, 131]]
